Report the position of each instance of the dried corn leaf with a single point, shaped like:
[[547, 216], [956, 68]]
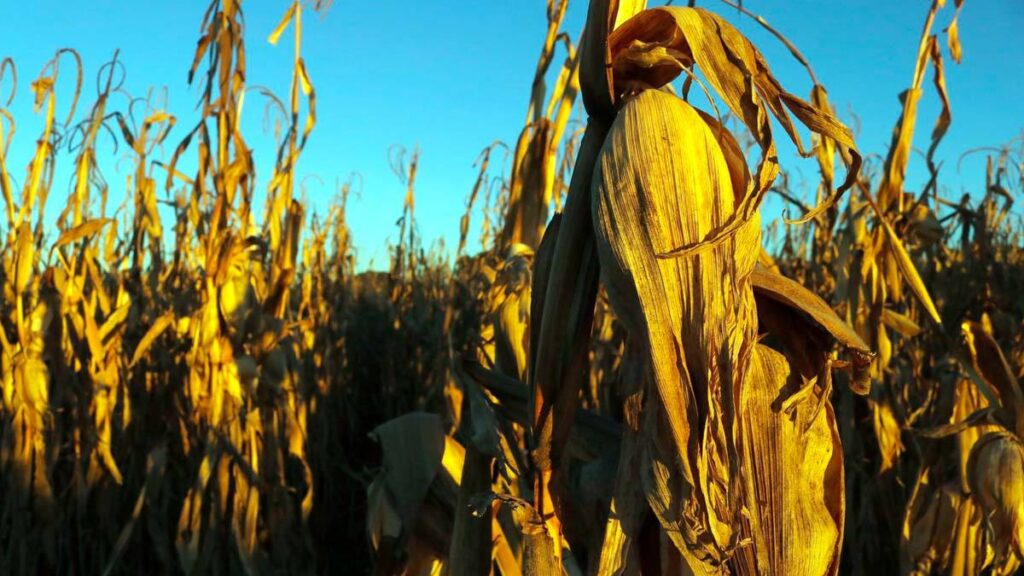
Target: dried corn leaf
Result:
[[777, 287], [909, 271], [990, 362], [900, 323], [628, 507], [83, 230], [929, 538], [159, 326], [413, 447], [25, 258]]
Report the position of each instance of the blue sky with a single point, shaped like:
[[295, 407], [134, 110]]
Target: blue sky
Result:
[[451, 76]]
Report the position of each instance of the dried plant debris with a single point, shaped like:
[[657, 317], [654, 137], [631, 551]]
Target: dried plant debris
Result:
[[635, 375]]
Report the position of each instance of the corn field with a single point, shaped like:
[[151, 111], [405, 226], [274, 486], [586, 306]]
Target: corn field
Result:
[[636, 375]]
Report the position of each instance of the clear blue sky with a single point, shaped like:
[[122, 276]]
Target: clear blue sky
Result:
[[453, 75]]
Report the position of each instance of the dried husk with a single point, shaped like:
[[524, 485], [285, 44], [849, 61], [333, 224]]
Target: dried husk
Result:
[[794, 474], [995, 473], [662, 181]]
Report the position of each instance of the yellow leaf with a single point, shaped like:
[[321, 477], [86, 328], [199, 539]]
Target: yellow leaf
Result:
[[285, 20], [25, 258], [794, 477], [953, 35], [154, 332], [909, 271], [900, 323]]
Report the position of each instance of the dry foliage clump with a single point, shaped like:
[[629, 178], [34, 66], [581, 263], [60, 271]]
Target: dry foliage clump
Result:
[[632, 385]]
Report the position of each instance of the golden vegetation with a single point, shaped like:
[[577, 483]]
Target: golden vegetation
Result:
[[633, 385]]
